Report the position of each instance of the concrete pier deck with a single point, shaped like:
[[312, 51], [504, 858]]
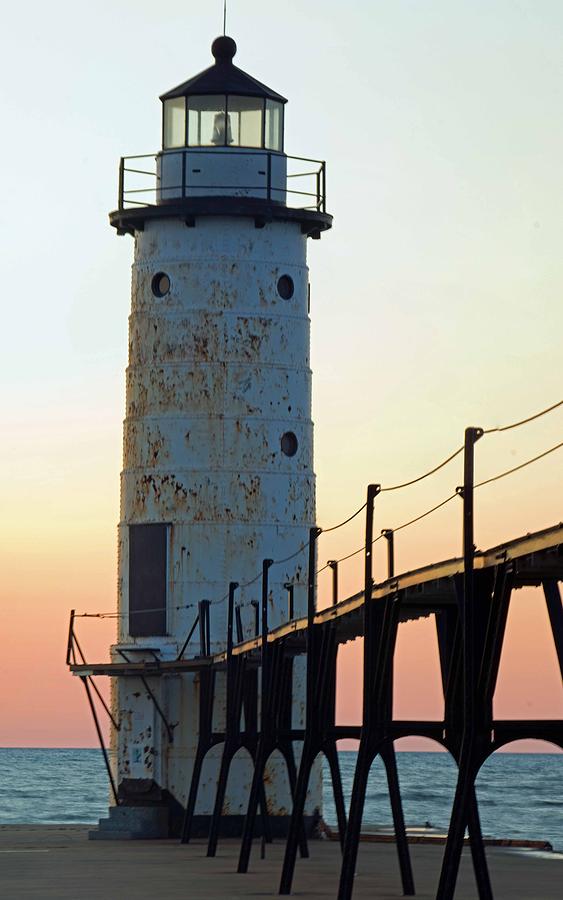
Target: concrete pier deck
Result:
[[57, 862]]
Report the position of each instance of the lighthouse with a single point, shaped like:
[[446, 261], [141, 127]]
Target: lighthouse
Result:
[[218, 438]]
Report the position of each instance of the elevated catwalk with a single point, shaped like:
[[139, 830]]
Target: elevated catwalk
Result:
[[470, 644]]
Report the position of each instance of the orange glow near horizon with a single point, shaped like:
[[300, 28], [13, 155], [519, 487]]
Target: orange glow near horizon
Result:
[[49, 709], [65, 557]]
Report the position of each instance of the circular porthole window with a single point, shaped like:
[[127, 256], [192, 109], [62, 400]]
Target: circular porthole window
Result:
[[285, 287], [160, 284], [289, 443]]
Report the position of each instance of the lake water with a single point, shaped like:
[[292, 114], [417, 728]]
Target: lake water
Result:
[[520, 795]]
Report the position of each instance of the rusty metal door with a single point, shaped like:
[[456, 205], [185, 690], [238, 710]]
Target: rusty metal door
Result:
[[147, 579]]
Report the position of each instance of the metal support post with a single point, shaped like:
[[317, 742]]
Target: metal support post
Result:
[[290, 604], [387, 753], [168, 725], [465, 809], [319, 737], [84, 681], [365, 751], [203, 615], [389, 536], [256, 606], [120, 203], [70, 654], [369, 661], [265, 712], [238, 621], [311, 610], [230, 745], [93, 685], [333, 563], [204, 743], [266, 563], [555, 612], [189, 637]]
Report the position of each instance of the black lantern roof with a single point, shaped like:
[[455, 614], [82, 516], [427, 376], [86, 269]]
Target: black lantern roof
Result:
[[223, 77]]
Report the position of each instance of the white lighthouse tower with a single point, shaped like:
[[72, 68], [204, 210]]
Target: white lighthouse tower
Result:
[[218, 438]]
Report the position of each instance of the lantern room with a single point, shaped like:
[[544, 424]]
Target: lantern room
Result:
[[222, 153], [223, 107], [222, 111]]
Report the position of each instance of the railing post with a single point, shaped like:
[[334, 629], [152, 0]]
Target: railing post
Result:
[[311, 575], [204, 641], [465, 811], [238, 621], [266, 563], [333, 563], [70, 643], [290, 604], [256, 606], [230, 615], [466, 492], [269, 176], [389, 536], [311, 609], [121, 183], [324, 186], [264, 689], [369, 658]]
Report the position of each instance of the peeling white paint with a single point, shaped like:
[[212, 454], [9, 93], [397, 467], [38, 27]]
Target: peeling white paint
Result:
[[218, 371]]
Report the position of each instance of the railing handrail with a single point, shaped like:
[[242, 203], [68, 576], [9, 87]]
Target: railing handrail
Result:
[[214, 187], [245, 151], [318, 194]]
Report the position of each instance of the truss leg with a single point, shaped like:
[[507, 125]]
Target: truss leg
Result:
[[292, 778], [192, 797], [478, 849], [226, 759], [555, 611], [264, 815], [390, 763], [253, 800], [331, 754], [463, 811], [296, 822], [352, 840]]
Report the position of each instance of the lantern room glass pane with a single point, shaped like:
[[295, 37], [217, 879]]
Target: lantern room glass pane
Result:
[[246, 117], [274, 136], [207, 121], [174, 122]]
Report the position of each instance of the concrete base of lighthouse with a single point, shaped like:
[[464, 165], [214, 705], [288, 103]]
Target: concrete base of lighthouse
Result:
[[144, 823], [164, 820]]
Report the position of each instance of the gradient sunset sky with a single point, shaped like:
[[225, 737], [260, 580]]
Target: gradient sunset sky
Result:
[[436, 300]]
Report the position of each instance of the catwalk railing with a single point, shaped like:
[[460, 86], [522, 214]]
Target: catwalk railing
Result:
[[177, 175], [469, 597]]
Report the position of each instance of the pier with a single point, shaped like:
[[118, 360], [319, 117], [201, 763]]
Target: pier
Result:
[[59, 863], [469, 597]]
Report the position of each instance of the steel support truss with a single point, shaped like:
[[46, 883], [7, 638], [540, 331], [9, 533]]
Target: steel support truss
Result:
[[470, 599]]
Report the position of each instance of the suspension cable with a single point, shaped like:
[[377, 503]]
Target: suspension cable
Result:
[[424, 514], [538, 415], [396, 487], [521, 466], [345, 522], [278, 562]]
